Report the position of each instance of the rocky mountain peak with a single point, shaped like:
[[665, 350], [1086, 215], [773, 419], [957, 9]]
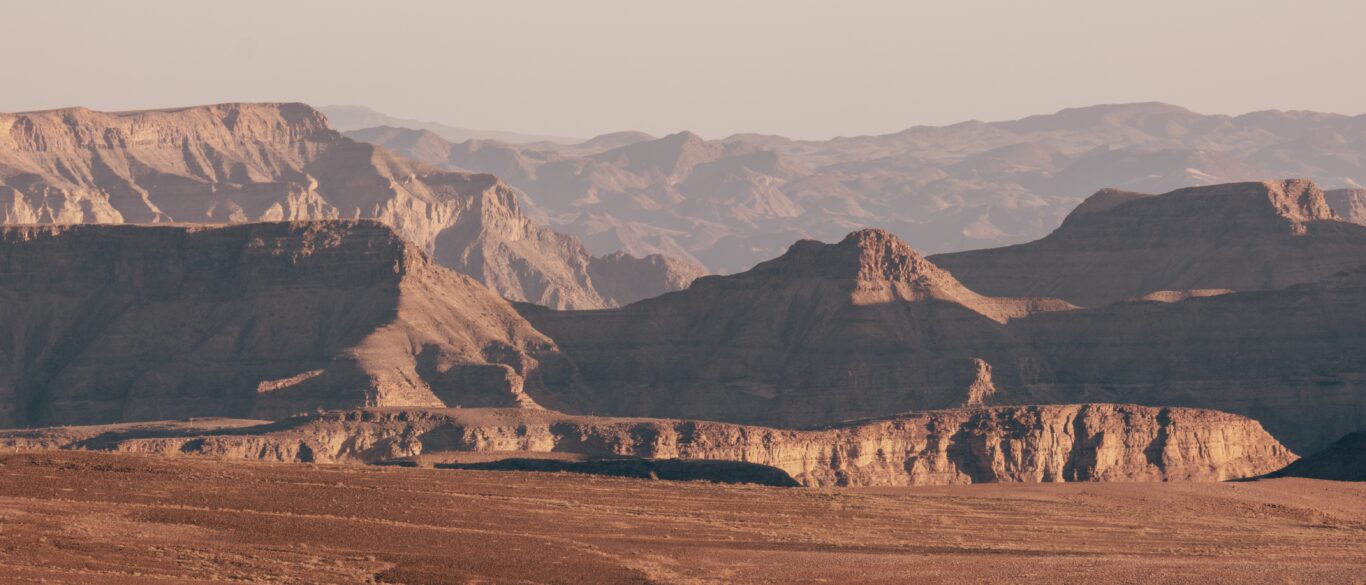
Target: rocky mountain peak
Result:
[[868, 255]]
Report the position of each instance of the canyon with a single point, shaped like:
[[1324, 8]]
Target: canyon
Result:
[[282, 162]]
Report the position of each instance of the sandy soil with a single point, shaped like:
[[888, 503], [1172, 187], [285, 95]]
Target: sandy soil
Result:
[[102, 518]]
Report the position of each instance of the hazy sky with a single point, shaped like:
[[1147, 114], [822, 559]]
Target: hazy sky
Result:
[[581, 67]]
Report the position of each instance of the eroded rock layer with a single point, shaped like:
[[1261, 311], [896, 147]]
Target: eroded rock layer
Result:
[[272, 162], [1118, 245], [105, 323], [867, 327], [1088, 442]]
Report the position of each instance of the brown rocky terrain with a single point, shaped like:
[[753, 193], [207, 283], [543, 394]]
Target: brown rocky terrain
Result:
[[824, 333], [1118, 245], [868, 327], [272, 162], [1090, 442], [734, 202], [111, 323], [90, 518]]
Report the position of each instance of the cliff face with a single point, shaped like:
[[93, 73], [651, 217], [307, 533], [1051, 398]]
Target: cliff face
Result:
[[1091, 442], [1117, 245], [867, 327], [272, 162], [104, 323], [1349, 204], [824, 333]]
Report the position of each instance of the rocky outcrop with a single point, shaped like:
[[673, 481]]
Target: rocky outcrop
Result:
[[1344, 460], [271, 162], [824, 333], [105, 323], [1115, 246], [1088, 442]]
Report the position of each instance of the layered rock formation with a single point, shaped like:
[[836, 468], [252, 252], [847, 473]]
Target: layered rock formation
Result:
[[1091, 442], [1119, 245], [826, 332], [867, 327], [734, 202], [272, 162], [104, 323]]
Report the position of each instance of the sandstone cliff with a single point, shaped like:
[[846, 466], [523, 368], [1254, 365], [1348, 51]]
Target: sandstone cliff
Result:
[[1119, 245], [1089, 442], [272, 162], [103, 323]]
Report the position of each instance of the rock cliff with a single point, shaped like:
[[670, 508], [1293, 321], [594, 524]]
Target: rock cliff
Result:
[[1119, 245], [104, 323], [826, 332], [273, 162], [867, 327], [1088, 442], [1349, 204]]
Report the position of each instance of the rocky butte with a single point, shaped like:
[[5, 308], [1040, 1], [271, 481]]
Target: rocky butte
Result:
[[1119, 245], [281, 162]]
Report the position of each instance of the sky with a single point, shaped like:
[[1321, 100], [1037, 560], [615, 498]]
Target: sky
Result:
[[585, 67]]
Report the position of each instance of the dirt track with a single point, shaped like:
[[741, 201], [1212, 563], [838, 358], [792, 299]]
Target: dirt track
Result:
[[100, 518]]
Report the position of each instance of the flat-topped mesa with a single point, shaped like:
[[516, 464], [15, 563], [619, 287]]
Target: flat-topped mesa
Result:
[[1120, 245], [239, 163], [111, 323], [1219, 207], [231, 123]]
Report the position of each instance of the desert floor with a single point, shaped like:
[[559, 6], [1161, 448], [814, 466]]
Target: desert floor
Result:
[[102, 518]]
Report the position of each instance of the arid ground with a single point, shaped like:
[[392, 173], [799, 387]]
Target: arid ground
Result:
[[70, 517]]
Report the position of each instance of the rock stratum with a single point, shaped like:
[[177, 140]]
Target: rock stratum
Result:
[[282, 162], [1118, 245], [865, 327], [109, 323], [1086, 442]]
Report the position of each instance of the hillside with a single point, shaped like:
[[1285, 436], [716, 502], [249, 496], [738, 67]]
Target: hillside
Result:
[[108, 323], [734, 202], [1118, 245], [282, 162]]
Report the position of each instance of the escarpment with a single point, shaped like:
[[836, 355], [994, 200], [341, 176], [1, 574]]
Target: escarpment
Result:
[[826, 332], [1089, 442], [1118, 245], [108, 323], [236, 163]]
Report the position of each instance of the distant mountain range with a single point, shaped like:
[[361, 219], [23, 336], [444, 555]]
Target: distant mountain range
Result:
[[733, 202], [356, 117]]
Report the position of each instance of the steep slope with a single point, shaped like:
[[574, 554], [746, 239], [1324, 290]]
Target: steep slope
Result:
[[272, 162], [1349, 204], [826, 332], [1089, 442], [1344, 460], [1118, 245], [943, 189], [116, 323]]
